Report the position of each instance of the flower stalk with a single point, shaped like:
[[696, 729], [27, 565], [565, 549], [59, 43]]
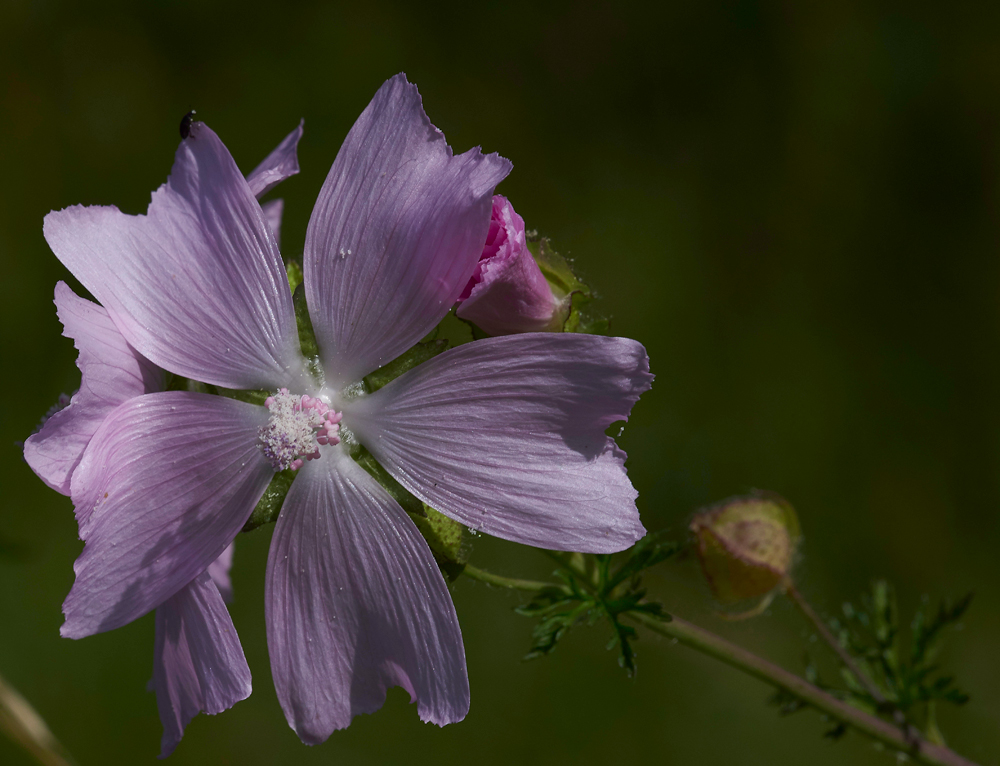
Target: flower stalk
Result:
[[511, 583], [912, 735]]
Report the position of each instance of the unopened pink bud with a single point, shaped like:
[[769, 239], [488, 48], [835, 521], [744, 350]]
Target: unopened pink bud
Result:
[[508, 293]]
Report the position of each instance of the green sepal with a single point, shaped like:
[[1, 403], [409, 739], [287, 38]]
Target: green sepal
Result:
[[555, 268], [269, 506], [180, 383], [250, 397], [403, 363], [567, 287], [307, 338], [448, 541], [294, 271], [399, 493], [581, 319]]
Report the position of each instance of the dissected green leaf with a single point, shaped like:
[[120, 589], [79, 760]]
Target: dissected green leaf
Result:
[[872, 635], [611, 589], [926, 637], [399, 493], [557, 610], [307, 338], [648, 552], [447, 538], [544, 600]]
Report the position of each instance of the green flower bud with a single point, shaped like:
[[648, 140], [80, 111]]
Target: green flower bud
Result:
[[746, 544]]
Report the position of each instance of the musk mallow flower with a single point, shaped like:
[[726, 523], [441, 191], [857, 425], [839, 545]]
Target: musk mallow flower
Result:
[[505, 435], [198, 661], [507, 292]]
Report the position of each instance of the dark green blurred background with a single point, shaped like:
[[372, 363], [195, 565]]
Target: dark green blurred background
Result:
[[794, 208]]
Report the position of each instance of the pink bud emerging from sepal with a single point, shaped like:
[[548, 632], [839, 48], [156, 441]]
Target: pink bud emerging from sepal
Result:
[[508, 293]]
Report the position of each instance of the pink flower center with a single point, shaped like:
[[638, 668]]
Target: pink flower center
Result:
[[297, 428]]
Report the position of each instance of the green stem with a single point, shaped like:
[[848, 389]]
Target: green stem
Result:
[[506, 582], [719, 648]]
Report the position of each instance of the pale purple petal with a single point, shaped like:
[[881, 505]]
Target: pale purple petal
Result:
[[196, 285], [506, 435], [273, 211], [280, 164], [111, 373], [198, 663], [218, 570], [355, 604], [166, 484], [395, 234]]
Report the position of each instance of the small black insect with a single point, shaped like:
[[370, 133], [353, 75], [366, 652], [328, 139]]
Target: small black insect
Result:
[[186, 121]]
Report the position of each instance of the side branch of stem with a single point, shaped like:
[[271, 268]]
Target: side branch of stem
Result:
[[913, 737]]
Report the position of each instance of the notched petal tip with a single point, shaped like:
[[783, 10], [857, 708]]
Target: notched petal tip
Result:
[[355, 606], [493, 169], [198, 271], [532, 410], [280, 164], [198, 663], [66, 630], [398, 227], [111, 373], [442, 718]]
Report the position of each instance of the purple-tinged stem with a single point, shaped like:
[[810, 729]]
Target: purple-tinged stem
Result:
[[706, 642], [715, 646], [910, 732]]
